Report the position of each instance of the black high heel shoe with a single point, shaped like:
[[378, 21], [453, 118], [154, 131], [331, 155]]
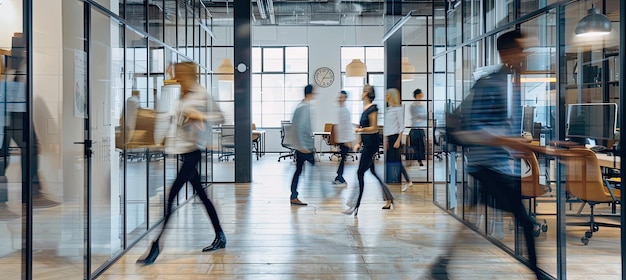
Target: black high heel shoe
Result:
[[152, 256], [389, 205], [218, 243], [352, 210]]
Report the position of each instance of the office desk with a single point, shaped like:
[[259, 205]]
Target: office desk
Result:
[[321, 135], [261, 143], [608, 161]]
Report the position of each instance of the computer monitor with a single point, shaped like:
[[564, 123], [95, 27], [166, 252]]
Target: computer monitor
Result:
[[528, 117], [592, 120]]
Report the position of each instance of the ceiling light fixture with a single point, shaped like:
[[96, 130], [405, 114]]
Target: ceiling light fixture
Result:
[[356, 68], [407, 69], [226, 70], [594, 23], [397, 26]]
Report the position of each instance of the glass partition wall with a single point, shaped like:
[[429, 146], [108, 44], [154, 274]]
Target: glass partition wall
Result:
[[562, 71], [85, 117]]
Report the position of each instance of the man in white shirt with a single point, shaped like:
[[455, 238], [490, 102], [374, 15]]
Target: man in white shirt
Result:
[[344, 135], [419, 122]]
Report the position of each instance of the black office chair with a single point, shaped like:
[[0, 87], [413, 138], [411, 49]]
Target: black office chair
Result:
[[286, 140], [439, 138], [227, 142]]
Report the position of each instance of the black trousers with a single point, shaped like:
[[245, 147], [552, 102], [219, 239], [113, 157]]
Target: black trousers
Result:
[[16, 131], [367, 162], [504, 190], [188, 172], [394, 158], [416, 135], [343, 149], [300, 159]]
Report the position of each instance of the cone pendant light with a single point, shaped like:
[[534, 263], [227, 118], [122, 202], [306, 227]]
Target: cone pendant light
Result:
[[226, 69], [407, 69], [356, 68]]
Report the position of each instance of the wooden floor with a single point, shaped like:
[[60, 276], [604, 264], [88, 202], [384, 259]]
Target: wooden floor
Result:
[[269, 239]]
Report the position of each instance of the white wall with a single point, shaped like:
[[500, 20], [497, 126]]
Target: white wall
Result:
[[10, 21], [47, 89], [324, 44]]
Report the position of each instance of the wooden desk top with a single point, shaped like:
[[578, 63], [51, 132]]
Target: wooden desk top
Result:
[[608, 161]]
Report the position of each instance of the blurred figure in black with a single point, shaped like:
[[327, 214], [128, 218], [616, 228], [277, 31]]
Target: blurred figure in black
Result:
[[488, 132], [15, 122], [194, 112], [370, 139]]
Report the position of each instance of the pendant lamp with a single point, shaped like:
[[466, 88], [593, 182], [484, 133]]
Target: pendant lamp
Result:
[[407, 69], [594, 23], [226, 69], [356, 68]]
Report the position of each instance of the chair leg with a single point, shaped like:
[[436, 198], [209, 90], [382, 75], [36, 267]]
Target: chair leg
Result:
[[592, 226]]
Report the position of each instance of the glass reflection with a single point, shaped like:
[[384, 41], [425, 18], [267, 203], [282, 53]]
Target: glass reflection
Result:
[[137, 128], [106, 211], [58, 224], [12, 81]]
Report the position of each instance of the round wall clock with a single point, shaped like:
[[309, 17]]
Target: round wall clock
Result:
[[324, 76]]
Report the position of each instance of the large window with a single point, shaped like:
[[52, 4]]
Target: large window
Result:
[[374, 58], [279, 75]]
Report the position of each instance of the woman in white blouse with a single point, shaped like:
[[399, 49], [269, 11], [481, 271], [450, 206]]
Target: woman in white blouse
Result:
[[394, 126]]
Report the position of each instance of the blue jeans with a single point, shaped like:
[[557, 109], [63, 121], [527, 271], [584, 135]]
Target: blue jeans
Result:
[[300, 159]]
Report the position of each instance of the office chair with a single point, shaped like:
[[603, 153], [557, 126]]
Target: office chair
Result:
[[328, 127], [531, 188], [585, 182], [226, 142], [330, 141], [256, 142], [286, 140], [381, 144], [439, 138]]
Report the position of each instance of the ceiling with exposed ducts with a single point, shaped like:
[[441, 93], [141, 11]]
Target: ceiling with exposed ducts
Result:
[[288, 12], [305, 12], [321, 12]]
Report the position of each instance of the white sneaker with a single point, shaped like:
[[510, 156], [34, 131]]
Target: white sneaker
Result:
[[339, 183], [406, 186], [422, 167]]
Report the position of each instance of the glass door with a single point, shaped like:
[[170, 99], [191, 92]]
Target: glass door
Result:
[[106, 88], [58, 165]]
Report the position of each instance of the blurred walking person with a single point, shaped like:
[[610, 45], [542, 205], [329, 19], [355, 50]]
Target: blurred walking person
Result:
[[370, 140], [419, 122], [488, 133], [393, 129], [193, 109], [344, 135], [304, 144]]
